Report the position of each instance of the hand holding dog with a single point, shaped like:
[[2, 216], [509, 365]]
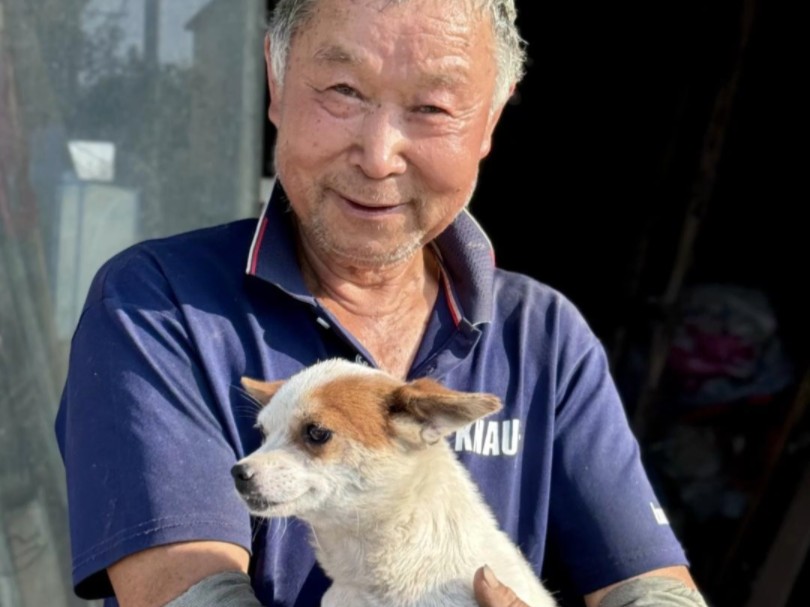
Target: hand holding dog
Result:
[[489, 592]]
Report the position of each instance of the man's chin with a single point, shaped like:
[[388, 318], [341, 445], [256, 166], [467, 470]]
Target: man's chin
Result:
[[376, 251], [371, 257]]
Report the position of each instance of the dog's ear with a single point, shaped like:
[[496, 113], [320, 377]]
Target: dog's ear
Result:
[[261, 391], [425, 411]]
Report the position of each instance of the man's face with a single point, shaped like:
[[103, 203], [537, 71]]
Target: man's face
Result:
[[382, 119]]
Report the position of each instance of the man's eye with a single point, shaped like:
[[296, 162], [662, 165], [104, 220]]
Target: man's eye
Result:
[[345, 89], [317, 435], [429, 109]]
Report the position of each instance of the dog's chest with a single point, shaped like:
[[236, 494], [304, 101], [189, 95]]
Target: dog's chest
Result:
[[457, 594]]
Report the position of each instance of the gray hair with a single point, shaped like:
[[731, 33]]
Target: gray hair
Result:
[[510, 49]]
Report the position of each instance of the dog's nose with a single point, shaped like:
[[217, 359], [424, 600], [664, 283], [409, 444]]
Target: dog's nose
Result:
[[242, 474]]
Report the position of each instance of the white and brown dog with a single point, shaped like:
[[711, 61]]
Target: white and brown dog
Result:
[[361, 457]]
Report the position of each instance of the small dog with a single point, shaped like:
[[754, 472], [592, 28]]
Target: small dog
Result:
[[361, 457]]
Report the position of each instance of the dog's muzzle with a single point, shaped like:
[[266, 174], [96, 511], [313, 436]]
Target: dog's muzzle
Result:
[[244, 479]]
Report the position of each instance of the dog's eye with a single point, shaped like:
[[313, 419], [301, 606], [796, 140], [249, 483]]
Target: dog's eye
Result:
[[317, 435]]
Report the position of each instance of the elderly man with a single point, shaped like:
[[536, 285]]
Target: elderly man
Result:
[[384, 110]]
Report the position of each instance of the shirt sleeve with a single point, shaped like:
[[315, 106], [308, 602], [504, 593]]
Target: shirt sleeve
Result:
[[606, 523], [145, 444]]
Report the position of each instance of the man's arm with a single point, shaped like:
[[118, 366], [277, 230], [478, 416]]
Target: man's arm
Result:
[[489, 592], [679, 573], [154, 577]]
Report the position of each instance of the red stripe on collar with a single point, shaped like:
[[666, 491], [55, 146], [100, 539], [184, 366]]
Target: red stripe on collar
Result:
[[450, 296], [253, 259]]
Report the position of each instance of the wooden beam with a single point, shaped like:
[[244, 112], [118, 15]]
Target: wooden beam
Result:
[[777, 577]]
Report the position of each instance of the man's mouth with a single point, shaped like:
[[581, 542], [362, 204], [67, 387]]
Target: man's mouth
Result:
[[377, 208]]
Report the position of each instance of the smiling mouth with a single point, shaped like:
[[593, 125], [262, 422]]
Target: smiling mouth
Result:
[[374, 209]]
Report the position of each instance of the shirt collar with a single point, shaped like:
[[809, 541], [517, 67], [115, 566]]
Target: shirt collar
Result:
[[272, 255], [464, 251]]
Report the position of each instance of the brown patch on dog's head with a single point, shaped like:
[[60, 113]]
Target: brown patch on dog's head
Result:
[[352, 407], [376, 411]]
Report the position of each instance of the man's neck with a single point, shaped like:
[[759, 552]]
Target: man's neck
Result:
[[385, 308]]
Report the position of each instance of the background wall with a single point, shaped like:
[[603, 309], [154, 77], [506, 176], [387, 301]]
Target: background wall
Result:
[[634, 121], [605, 140]]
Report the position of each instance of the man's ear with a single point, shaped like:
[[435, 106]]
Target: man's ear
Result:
[[424, 411], [273, 85], [492, 122], [261, 391]]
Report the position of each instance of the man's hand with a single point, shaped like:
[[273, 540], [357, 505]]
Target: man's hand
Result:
[[489, 592]]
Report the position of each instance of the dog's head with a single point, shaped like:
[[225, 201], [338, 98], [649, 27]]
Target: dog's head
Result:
[[338, 430]]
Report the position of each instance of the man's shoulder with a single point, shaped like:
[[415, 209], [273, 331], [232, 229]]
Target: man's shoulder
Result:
[[522, 286], [516, 292], [202, 256], [233, 237]]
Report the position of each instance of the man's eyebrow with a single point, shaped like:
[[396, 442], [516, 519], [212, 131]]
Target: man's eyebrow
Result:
[[443, 80], [335, 54]]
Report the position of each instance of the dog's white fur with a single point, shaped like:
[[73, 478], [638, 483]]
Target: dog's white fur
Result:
[[396, 519]]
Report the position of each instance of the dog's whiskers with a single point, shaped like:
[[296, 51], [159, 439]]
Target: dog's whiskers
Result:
[[280, 528], [249, 409], [359, 533], [256, 527], [315, 538], [246, 411], [256, 405]]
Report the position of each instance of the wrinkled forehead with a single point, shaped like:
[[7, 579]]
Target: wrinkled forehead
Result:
[[465, 20], [417, 45], [460, 7]]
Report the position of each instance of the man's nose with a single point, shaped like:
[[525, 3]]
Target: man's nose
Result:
[[382, 144]]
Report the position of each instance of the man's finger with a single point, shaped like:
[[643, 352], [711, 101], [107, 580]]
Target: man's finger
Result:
[[489, 592]]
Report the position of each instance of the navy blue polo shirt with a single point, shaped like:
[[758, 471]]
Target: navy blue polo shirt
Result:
[[152, 416]]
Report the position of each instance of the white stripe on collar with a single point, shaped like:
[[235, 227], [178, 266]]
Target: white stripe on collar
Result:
[[257, 235]]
